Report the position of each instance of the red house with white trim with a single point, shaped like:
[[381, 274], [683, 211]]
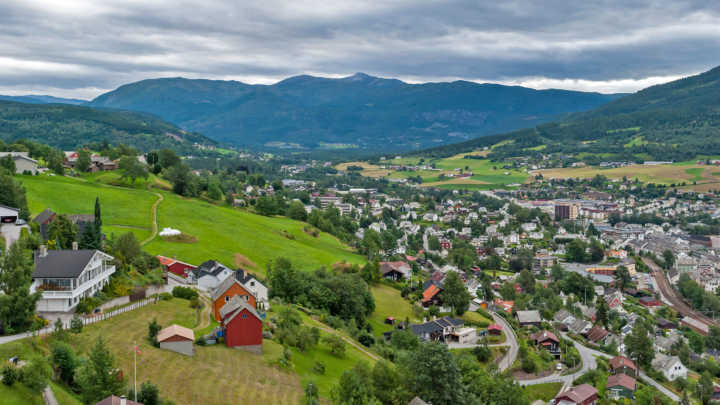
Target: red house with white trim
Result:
[[242, 324], [176, 267]]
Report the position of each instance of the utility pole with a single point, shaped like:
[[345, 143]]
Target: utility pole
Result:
[[135, 371]]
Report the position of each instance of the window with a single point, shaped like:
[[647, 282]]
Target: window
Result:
[[227, 298], [244, 316], [247, 298]]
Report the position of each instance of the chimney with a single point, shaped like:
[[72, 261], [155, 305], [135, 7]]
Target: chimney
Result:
[[123, 400], [74, 246], [43, 250]]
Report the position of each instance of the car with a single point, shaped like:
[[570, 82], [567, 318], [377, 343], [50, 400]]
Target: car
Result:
[[559, 367], [20, 222]]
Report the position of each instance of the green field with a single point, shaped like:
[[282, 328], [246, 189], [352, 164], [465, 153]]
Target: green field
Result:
[[543, 392], [388, 303], [222, 233], [20, 395]]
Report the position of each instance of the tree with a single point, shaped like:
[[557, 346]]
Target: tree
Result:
[[601, 316], [99, 377], [434, 243], [131, 168], [669, 258], [167, 158], [705, 388], [62, 231], [153, 329], [10, 374], [439, 384], [83, 161], [64, 360], [622, 277], [507, 291], [556, 272], [214, 191], [296, 211], [149, 394], [526, 280], [576, 251], [8, 163], [36, 374], [13, 195], [455, 294], [17, 304], [179, 176], [639, 346], [337, 345], [127, 247], [355, 387], [98, 216], [386, 382], [596, 251], [76, 324]]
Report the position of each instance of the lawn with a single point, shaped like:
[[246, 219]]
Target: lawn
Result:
[[388, 302], [18, 394], [222, 233], [64, 396], [543, 392], [660, 174]]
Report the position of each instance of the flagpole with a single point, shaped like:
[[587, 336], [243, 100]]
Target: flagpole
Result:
[[135, 373]]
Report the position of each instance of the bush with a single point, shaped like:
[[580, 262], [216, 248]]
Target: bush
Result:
[[87, 304], [195, 303], [9, 375], [528, 365], [319, 367], [184, 292], [153, 329], [482, 353], [366, 339], [166, 296], [76, 324]]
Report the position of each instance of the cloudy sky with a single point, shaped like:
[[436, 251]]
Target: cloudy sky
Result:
[[81, 48]]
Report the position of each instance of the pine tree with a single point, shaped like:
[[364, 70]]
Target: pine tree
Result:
[[99, 376], [98, 224], [17, 304]]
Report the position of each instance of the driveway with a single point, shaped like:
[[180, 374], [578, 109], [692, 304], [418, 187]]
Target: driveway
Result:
[[11, 233]]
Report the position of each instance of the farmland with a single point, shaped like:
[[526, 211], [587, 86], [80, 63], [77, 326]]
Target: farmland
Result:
[[485, 174], [219, 232], [668, 174]]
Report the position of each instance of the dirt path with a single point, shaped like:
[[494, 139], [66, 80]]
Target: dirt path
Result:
[[205, 313], [154, 220], [348, 340]]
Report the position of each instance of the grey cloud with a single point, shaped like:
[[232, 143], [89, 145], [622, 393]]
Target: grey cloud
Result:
[[100, 45]]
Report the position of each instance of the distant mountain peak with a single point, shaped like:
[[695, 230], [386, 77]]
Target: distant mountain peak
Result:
[[360, 76]]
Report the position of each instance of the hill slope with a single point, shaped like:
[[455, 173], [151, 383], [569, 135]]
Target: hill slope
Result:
[[359, 111], [674, 121], [67, 127]]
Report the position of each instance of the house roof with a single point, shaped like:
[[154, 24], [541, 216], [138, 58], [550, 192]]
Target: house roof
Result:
[[621, 361], [430, 292], [211, 267], [63, 263], [494, 326], [75, 218], [400, 267], [5, 210], [227, 283], [417, 401], [622, 380], [175, 330], [664, 362], [543, 336], [113, 400], [44, 216], [562, 315], [233, 307], [436, 325], [596, 333], [579, 394], [528, 316]]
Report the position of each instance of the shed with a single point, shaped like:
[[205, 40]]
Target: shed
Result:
[[178, 339], [8, 215], [495, 329], [621, 386]]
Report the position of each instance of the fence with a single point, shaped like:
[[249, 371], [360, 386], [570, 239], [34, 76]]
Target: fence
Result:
[[105, 315]]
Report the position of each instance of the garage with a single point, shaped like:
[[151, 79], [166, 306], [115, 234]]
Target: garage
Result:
[[8, 215]]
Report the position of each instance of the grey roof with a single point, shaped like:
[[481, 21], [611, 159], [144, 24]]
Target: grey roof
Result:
[[81, 218], [417, 401], [227, 283], [528, 316], [436, 325], [234, 307], [663, 362], [44, 216], [18, 155], [211, 267], [62, 263]]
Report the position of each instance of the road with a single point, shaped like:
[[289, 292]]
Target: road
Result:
[[11, 233], [510, 341], [669, 294], [590, 363]]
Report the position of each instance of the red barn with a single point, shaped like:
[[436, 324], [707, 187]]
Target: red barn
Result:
[[243, 325], [176, 267]]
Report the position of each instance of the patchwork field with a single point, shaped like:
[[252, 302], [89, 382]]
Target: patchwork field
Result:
[[485, 174], [668, 174], [221, 233]]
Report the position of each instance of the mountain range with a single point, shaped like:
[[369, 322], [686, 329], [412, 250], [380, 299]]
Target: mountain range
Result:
[[359, 111], [43, 99], [678, 120]]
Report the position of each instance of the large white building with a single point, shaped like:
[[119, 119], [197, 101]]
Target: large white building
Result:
[[67, 276]]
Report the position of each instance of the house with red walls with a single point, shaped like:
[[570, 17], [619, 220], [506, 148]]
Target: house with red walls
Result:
[[242, 325]]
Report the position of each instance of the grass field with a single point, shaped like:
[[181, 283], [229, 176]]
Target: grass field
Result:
[[221, 232], [388, 302], [659, 174], [18, 394], [543, 392], [486, 174]]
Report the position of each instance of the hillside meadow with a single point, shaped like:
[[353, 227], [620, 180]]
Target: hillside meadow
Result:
[[234, 237]]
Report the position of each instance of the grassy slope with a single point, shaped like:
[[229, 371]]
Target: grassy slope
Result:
[[221, 231], [388, 302], [543, 392], [18, 394]]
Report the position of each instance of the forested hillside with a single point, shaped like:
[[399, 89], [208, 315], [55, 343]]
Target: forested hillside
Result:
[[674, 121], [66, 126], [356, 112]]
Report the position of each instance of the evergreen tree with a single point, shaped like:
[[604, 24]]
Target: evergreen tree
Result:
[[455, 294], [99, 377], [17, 304]]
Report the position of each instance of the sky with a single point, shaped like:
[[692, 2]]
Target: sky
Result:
[[82, 48]]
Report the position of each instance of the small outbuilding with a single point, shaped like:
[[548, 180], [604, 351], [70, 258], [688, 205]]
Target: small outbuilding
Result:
[[494, 329], [8, 215], [178, 339]]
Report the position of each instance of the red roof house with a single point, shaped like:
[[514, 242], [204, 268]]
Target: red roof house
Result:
[[176, 267], [584, 394], [623, 365], [494, 329], [243, 325]]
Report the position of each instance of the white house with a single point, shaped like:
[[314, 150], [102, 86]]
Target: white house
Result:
[[670, 366], [67, 276], [23, 162], [210, 274], [255, 286]]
